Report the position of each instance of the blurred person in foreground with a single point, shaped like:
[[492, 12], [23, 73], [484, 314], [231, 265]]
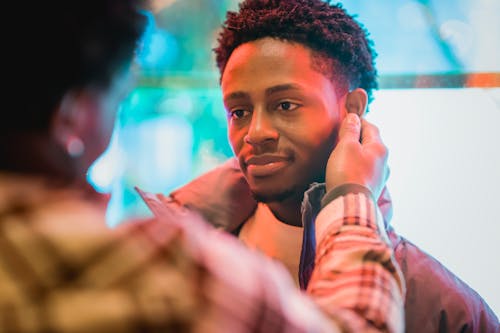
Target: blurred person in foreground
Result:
[[290, 72], [63, 270]]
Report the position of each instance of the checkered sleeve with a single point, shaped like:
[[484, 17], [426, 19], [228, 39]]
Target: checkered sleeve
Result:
[[76, 278], [356, 279], [62, 272], [242, 291], [356, 285]]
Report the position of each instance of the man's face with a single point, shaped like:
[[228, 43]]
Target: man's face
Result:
[[283, 117]]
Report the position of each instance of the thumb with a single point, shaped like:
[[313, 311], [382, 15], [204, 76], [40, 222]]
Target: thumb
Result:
[[350, 128]]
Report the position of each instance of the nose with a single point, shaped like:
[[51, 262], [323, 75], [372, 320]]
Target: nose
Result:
[[261, 129]]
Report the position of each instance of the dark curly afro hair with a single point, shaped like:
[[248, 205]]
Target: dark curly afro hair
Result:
[[325, 28]]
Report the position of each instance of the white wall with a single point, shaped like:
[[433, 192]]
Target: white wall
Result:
[[444, 156]]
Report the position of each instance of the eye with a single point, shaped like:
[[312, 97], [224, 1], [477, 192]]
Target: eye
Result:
[[238, 113], [287, 106]]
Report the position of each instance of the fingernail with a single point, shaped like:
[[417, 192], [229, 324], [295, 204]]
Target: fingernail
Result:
[[352, 119]]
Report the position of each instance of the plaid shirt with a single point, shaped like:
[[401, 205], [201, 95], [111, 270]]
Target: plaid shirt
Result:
[[63, 270]]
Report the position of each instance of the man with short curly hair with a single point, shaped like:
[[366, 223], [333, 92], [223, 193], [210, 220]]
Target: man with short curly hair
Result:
[[63, 270], [291, 70]]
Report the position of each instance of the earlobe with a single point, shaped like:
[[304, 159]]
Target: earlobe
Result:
[[66, 123], [357, 101]]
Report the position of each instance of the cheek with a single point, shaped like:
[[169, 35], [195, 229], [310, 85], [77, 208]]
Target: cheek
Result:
[[314, 132], [109, 111], [101, 126], [315, 142], [109, 121], [236, 138]]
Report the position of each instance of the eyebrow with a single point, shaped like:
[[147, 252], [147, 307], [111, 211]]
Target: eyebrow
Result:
[[269, 91], [235, 95], [281, 87]]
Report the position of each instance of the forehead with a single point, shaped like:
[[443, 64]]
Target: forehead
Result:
[[269, 62]]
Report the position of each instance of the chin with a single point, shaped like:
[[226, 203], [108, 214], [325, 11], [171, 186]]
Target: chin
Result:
[[273, 194]]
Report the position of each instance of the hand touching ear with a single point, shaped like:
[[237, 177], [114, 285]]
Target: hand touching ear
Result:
[[360, 157]]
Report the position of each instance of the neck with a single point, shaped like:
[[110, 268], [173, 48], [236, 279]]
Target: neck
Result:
[[288, 211], [35, 153]]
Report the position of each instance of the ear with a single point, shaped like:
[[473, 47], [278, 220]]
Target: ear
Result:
[[68, 121], [357, 101]]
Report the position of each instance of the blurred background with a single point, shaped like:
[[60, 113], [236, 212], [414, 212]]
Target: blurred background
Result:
[[438, 109]]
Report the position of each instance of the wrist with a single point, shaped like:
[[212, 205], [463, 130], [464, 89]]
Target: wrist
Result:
[[344, 189]]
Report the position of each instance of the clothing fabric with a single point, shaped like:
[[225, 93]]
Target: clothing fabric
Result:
[[355, 279], [436, 300], [63, 270]]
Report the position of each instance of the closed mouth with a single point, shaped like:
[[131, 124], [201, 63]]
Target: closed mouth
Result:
[[266, 164]]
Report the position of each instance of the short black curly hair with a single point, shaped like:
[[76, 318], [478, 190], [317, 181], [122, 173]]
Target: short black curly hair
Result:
[[325, 28]]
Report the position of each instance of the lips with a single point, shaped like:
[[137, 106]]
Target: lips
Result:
[[265, 165]]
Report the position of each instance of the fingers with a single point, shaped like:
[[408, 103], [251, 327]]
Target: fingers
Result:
[[369, 132], [350, 128], [370, 136]]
